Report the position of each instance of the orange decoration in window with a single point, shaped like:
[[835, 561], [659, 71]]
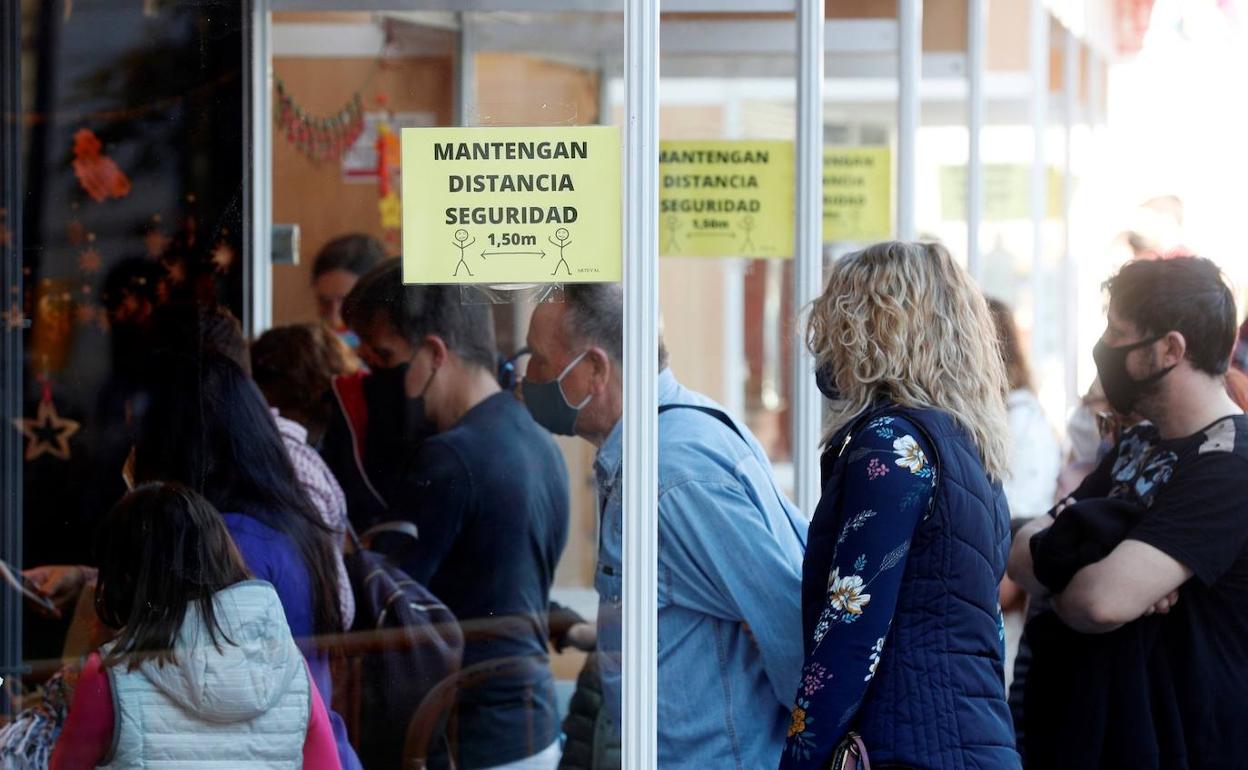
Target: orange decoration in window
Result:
[[98, 175], [387, 147], [391, 211]]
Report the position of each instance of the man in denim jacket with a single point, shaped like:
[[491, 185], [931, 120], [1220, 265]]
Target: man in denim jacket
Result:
[[730, 544]]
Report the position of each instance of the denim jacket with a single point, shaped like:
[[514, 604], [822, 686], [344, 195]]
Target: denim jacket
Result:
[[730, 584]]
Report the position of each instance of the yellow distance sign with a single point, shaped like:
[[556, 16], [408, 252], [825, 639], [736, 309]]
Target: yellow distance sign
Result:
[[857, 194], [1007, 192], [511, 205], [726, 199]]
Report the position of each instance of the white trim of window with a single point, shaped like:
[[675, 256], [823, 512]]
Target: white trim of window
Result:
[[258, 167], [641, 438], [808, 254], [1038, 61], [909, 75], [976, 43], [1069, 271]]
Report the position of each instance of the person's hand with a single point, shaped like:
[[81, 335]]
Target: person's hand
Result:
[[582, 636], [1062, 505], [1163, 605], [61, 584]]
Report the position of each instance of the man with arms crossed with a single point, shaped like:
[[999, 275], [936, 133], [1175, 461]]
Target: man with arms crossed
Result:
[[1160, 624]]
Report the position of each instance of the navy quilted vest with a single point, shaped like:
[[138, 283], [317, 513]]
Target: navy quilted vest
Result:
[[938, 699]]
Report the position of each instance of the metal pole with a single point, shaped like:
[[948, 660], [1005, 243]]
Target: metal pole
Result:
[[1096, 90], [1039, 65], [733, 367], [976, 34], [808, 255], [1070, 281], [258, 166], [466, 73], [641, 330], [11, 331], [606, 109], [909, 75]]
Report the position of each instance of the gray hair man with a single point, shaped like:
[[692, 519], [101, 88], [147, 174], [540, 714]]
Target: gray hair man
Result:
[[730, 543]]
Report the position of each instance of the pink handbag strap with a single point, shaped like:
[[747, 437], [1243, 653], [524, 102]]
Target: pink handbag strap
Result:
[[857, 758]]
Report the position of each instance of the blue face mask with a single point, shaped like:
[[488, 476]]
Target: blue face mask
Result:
[[548, 405]]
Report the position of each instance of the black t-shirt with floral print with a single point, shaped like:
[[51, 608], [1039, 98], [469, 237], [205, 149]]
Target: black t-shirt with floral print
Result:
[[1195, 492]]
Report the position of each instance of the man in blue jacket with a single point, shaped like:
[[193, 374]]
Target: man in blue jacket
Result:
[[730, 543]]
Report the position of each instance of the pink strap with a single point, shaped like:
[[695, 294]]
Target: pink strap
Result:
[[857, 758]]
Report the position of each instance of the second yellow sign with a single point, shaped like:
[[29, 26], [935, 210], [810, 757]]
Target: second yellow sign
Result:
[[726, 199]]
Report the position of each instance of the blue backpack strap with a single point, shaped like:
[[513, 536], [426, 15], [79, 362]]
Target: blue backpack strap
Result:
[[718, 414]]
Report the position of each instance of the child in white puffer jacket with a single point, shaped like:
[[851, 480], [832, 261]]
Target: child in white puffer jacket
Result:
[[204, 670]]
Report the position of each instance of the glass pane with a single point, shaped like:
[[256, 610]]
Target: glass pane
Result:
[[132, 156], [727, 130], [425, 551], [508, 514]]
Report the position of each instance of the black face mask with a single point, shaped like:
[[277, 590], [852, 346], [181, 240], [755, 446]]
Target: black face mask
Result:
[[419, 426], [1123, 392], [390, 381], [826, 384]]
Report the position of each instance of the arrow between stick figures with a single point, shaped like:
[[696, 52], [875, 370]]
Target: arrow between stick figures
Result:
[[485, 254]]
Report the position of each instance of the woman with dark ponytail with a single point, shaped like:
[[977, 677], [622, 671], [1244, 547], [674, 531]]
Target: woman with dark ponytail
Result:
[[206, 425]]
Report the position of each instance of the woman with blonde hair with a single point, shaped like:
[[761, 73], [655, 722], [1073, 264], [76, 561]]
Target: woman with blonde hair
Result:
[[901, 625]]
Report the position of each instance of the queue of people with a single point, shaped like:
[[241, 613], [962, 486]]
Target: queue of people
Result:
[[870, 628]]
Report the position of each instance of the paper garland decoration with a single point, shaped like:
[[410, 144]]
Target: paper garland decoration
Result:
[[317, 137]]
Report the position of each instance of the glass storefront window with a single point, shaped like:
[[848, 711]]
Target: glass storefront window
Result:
[[395, 410], [201, 289]]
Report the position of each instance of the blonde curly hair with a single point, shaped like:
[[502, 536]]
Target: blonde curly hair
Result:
[[904, 321]]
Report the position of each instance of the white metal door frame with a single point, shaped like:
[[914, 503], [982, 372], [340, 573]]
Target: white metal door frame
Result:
[[641, 333]]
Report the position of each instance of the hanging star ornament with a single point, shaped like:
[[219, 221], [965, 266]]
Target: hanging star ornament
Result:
[[156, 242], [222, 257], [84, 315], [90, 261], [47, 433], [13, 317]]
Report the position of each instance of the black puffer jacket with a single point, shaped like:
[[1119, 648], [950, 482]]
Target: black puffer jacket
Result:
[[593, 743]]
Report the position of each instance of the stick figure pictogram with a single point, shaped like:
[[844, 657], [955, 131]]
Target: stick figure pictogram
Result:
[[564, 240], [673, 224], [747, 224], [462, 243]]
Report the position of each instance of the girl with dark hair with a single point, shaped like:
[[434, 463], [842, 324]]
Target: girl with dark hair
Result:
[[204, 668], [207, 426]]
